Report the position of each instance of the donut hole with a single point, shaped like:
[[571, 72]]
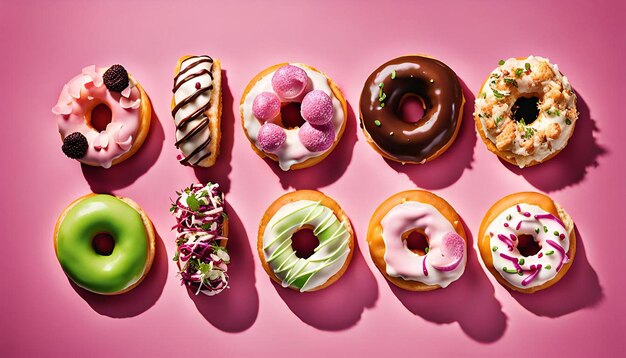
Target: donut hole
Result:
[[527, 245], [100, 116], [303, 242], [290, 115], [416, 241], [103, 244], [526, 109], [412, 108]]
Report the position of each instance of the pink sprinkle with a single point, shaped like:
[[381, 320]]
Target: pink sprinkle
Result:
[[507, 241], [513, 237], [424, 266], [317, 138], [266, 106], [271, 137], [519, 224], [198, 85], [540, 255], [179, 157], [506, 224], [527, 214], [513, 260], [519, 210], [289, 81], [532, 276], [562, 236], [317, 108]]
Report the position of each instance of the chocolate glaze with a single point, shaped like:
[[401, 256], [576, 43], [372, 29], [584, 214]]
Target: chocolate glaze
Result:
[[438, 87]]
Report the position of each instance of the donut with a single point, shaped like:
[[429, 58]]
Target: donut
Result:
[[305, 209], [130, 109], [400, 138], [440, 263], [525, 111], [197, 109], [293, 114], [201, 237], [527, 241], [128, 228]]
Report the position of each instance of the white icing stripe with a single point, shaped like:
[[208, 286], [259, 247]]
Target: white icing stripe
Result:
[[328, 257], [553, 107], [292, 152], [402, 262], [542, 230], [184, 91]]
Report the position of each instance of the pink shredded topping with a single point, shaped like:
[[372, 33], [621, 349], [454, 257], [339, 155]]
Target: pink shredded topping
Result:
[[507, 241], [564, 258]]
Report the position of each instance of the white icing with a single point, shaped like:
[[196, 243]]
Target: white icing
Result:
[[528, 227], [526, 85], [402, 262], [293, 151]]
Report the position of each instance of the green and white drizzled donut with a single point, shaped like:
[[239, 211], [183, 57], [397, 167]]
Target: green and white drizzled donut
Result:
[[329, 257]]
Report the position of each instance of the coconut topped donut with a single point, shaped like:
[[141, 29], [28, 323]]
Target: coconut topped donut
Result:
[[526, 110], [320, 115]]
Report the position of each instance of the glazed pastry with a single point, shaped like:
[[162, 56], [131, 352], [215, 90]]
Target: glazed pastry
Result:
[[527, 241], [525, 111], [201, 237], [305, 209], [321, 106], [402, 139], [130, 116], [443, 260], [197, 109], [127, 226]]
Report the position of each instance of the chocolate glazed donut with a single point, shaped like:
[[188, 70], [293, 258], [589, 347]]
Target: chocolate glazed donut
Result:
[[439, 90]]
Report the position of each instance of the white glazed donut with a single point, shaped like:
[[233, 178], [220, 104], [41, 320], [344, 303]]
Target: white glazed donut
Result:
[[443, 261], [323, 108]]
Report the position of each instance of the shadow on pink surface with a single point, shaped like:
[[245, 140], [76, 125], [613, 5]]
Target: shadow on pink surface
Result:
[[573, 163], [220, 171], [127, 172], [578, 289], [237, 307], [470, 301], [139, 299], [328, 170], [447, 168], [340, 305]]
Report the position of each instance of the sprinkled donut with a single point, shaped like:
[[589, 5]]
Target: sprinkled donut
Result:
[[197, 109], [130, 109], [305, 209], [406, 139], [310, 138], [525, 111], [527, 241], [443, 259], [201, 237]]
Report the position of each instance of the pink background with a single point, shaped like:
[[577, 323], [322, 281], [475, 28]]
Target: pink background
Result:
[[45, 44]]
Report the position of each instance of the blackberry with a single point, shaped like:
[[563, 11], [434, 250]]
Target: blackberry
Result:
[[116, 78], [75, 145]]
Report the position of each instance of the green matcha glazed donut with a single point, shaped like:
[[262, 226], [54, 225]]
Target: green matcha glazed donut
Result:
[[129, 227]]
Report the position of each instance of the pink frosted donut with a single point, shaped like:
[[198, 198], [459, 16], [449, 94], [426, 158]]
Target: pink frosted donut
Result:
[[271, 137], [289, 82], [317, 138], [130, 116], [266, 106], [317, 108]]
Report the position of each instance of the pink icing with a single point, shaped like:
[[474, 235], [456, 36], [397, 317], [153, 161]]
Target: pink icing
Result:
[[317, 138], [266, 106], [317, 108], [84, 92], [445, 249], [290, 82], [271, 137]]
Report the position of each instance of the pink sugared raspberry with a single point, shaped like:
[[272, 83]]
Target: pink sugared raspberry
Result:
[[317, 108], [289, 81], [271, 137], [317, 138], [266, 106]]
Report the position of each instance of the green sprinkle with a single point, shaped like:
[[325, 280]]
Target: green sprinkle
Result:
[[519, 72], [556, 233], [509, 271], [382, 105], [521, 261], [497, 94], [545, 229], [548, 267], [557, 112], [508, 217], [393, 74], [551, 252], [382, 97], [527, 66], [494, 249], [568, 122], [501, 62], [381, 85], [520, 273], [511, 81], [537, 230], [432, 81], [427, 249], [377, 123]]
